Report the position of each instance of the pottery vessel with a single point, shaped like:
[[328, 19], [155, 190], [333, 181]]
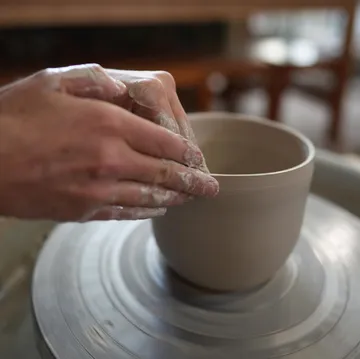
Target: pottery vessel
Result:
[[241, 238]]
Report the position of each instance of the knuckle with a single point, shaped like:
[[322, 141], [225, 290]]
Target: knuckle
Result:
[[104, 118], [43, 75], [95, 195], [166, 78], [166, 144], [92, 68], [165, 173], [106, 161], [160, 149], [88, 198], [154, 84], [148, 92], [95, 66], [95, 69]]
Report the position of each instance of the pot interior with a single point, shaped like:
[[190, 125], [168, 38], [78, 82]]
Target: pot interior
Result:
[[245, 146]]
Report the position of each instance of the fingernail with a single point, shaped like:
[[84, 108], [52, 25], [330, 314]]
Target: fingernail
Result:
[[199, 183], [211, 188], [193, 157]]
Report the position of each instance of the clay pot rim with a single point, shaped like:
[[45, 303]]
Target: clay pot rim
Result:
[[309, 147]]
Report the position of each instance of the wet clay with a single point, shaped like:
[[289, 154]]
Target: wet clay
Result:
[[241, 238]]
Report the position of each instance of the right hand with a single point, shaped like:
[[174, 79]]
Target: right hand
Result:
[[68, 158]]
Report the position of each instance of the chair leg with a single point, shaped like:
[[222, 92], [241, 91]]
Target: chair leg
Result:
[[343, 71], [336, 104], [204, 98], [230, 96], [336, 116], [277, 84]]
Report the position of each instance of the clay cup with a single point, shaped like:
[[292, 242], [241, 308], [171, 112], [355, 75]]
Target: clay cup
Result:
[[241, 238]]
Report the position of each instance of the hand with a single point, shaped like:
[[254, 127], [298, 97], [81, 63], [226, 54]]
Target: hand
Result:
[[148, 94], [152, 95], [68, 158]]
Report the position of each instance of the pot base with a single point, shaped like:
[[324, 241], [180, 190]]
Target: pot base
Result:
[[102, 290]]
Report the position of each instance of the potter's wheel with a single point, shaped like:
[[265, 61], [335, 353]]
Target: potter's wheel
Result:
[[101, 290]]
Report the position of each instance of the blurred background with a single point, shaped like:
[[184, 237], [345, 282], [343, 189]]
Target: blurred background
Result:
[[294, 61]]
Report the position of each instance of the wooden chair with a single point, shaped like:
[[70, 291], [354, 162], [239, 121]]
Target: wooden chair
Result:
[[284, 59], [250, 60]]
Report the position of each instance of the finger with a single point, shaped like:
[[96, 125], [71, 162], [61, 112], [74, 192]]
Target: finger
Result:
[[155, 141], [134, 194], [184, 125], [173, 176], [126, 213], [151, 102], [89, 81], [178, 111], [181, 117], [162, 116], [10, 86]]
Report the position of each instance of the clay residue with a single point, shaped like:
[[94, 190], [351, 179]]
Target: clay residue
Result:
[[193, 157], [135, 213], [109, 323], [202, 184], [97, 337], [159, 197], [89, 80], [122, 213], [167, 122]]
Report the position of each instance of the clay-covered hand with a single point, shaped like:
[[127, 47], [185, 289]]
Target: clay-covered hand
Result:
[[64, 156], [152, 95], [149, 94]]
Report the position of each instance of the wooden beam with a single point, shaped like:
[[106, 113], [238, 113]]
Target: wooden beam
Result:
[[66, 12]]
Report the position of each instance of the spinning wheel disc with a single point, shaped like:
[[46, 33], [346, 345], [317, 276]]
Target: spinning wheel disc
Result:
[[103, 291]]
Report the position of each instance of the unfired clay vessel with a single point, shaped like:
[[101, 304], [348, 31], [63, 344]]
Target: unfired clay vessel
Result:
[[241, 238]]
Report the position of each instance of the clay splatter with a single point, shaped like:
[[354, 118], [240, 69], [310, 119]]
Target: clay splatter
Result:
[[97, 337]]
